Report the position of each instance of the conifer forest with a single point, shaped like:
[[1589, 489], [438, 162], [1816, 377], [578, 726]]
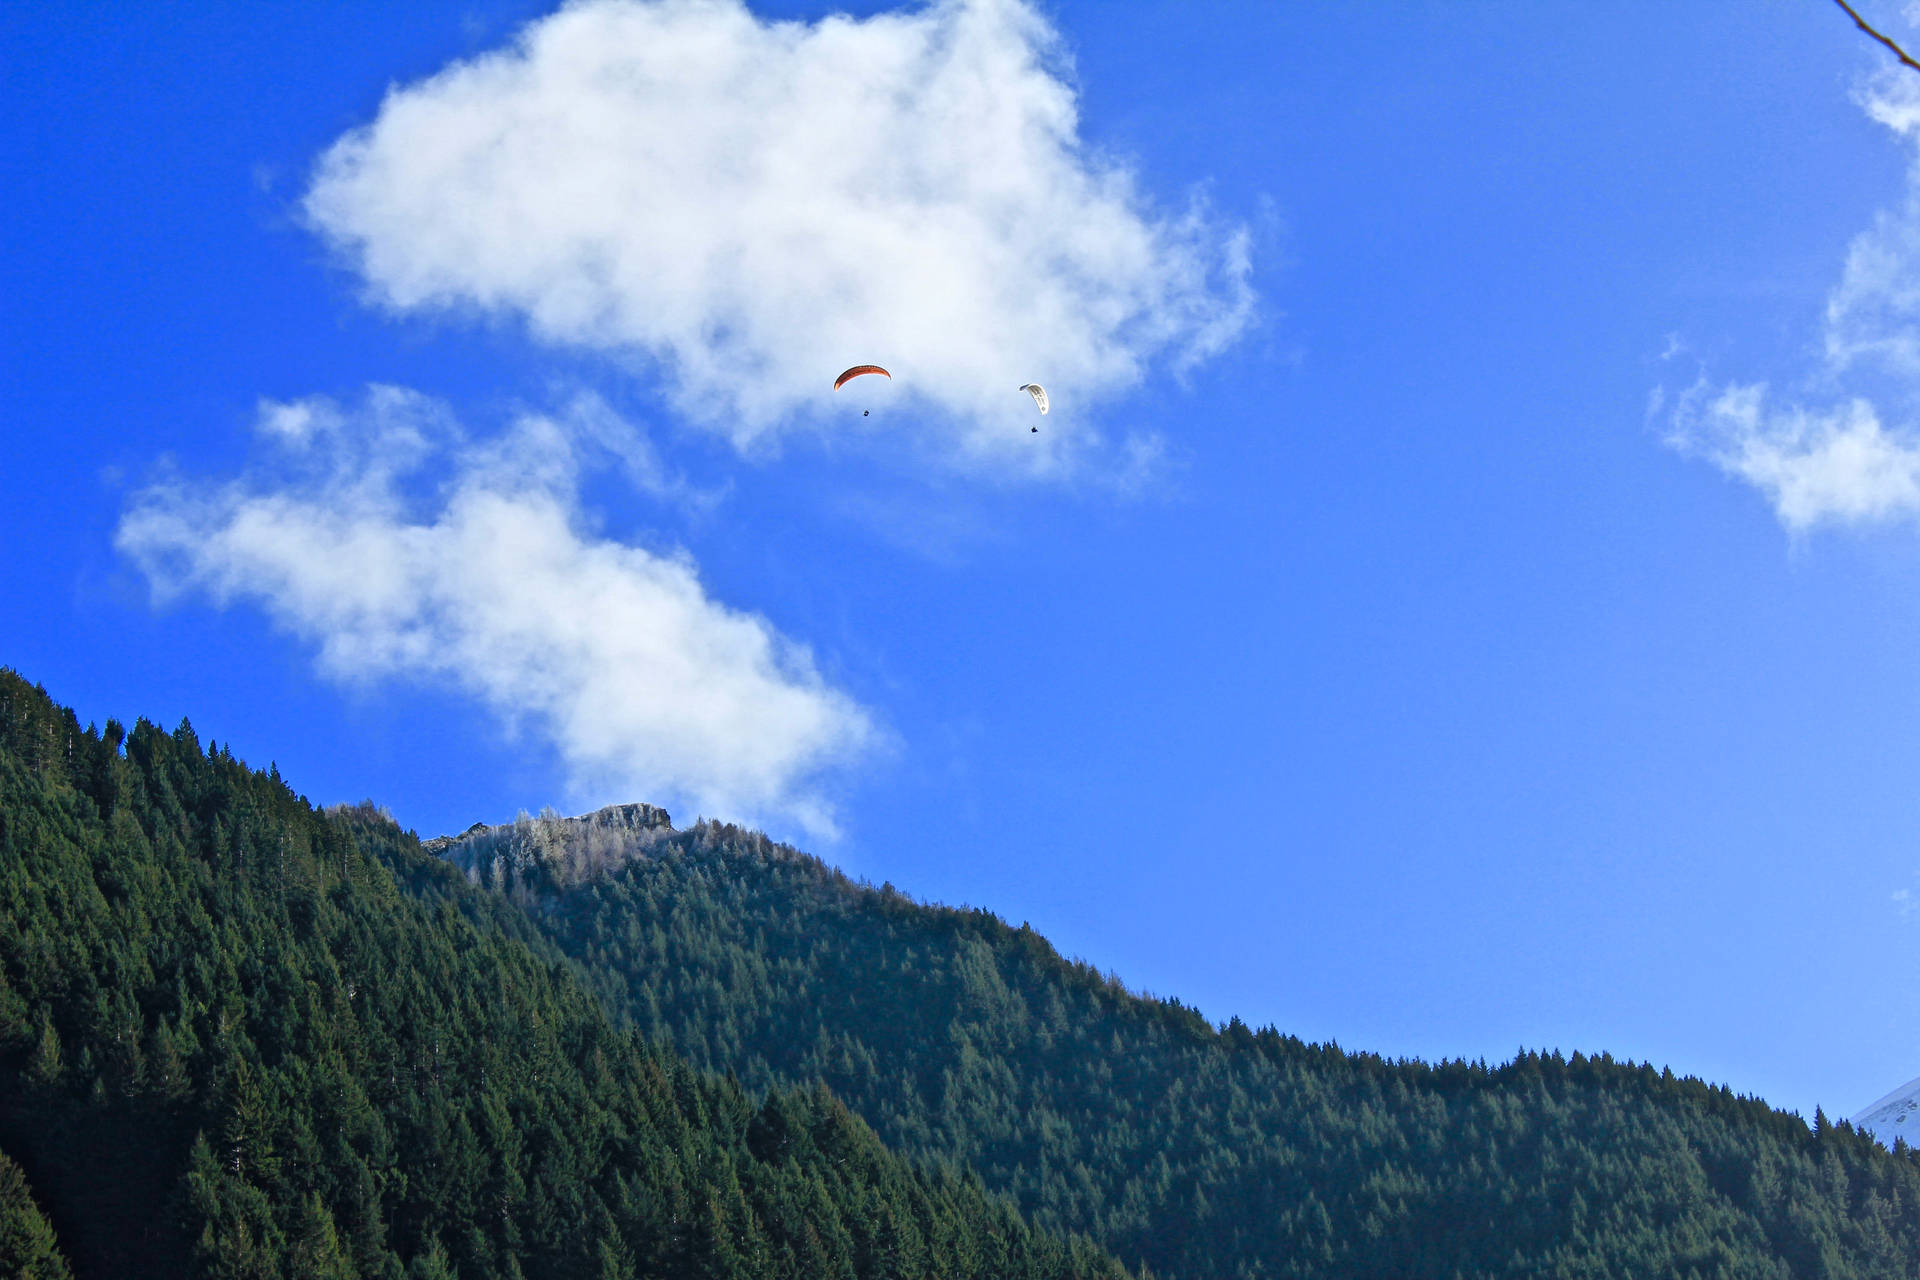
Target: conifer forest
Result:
[[243, 1036]]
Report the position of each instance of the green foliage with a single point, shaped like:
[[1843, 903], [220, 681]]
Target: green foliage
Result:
[[239, 1037], [27, 1247], [1201, 1152]]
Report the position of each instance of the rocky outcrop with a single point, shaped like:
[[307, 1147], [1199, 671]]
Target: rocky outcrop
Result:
[[532, 857]]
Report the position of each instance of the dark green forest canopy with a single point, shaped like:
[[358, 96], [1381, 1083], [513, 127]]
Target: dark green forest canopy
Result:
[[243, 1038], [1207, 1152]]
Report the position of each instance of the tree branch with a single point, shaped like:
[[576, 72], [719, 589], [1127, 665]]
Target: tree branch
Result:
[[1861, 23]]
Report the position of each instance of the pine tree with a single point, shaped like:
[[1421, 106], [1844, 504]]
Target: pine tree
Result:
[[166, 1070], [247, 1132], [432, 1264], [45, 1065], [317, 1252], [28, 1250]]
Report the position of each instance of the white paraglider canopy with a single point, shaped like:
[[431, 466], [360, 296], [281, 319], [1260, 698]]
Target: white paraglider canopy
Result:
[[1039, 394]]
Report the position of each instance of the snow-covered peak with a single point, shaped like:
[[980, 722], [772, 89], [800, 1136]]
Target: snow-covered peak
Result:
[[1895, 1116]]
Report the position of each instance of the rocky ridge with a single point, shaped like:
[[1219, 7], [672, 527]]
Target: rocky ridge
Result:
[[532, 857]]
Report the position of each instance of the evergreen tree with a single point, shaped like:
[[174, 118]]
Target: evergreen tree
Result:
[[45, 1066], [27, 1247]]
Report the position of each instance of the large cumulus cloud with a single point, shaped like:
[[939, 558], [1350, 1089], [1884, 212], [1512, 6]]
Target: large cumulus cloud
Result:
[[748, 206]]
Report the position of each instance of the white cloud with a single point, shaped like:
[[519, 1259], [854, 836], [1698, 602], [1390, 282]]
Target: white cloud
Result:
[[1854, 460], [1816, 466], [753, 206], [1873, 314], [646, 687]]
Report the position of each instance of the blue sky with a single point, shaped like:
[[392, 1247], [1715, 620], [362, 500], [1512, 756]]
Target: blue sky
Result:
[[1410, 628]]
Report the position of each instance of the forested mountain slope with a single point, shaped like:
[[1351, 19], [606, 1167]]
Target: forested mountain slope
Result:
[[242, 1038], [1206, 1152]]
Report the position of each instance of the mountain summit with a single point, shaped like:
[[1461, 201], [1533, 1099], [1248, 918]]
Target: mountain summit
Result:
[[1894, 1116], [530, 856]]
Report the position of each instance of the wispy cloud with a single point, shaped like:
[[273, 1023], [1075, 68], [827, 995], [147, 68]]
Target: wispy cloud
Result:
[[645, 686], [750, 206], [1837, 465], [1853, 456]]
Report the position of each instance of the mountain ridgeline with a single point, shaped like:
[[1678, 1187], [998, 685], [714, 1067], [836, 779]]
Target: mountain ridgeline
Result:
[[240, 1037], [1199, 1151]]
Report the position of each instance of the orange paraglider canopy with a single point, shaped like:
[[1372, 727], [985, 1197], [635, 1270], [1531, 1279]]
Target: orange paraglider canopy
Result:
[[856, 371]]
